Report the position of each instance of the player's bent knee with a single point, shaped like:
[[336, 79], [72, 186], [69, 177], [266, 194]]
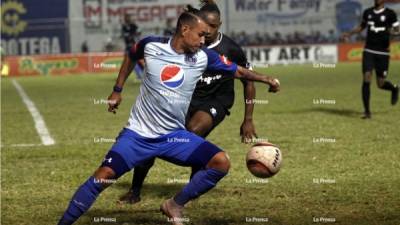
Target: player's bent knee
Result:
[[105, 176], [367, 77], [104, 172], [220, 162], [380, 82]]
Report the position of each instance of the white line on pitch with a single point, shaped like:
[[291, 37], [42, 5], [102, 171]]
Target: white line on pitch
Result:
[[40, 125], [24, 145]]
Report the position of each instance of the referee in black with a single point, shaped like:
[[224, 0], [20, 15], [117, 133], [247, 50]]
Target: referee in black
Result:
[[381, 22]]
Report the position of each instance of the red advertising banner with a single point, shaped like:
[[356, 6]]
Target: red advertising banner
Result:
[[63, 64], [353, 52]]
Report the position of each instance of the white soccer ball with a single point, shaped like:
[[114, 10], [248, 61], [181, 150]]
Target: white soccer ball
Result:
[[264, 160]]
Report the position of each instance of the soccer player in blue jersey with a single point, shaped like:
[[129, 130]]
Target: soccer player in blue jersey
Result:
[[212, 99], [173, 67]]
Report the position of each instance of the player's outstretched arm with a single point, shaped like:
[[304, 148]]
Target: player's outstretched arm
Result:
[[115, 97], [395, 30], [247, 129], [346, 35], [243, 73]]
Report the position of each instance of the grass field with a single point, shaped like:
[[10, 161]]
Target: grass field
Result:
[[336, 166]]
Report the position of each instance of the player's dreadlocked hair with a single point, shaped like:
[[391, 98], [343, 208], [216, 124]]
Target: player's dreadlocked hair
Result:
[[209, 6], [189, 16]]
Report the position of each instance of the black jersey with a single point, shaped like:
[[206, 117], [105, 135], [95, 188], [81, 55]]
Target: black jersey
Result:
[[129, 32], [217, 85], [379, 24]]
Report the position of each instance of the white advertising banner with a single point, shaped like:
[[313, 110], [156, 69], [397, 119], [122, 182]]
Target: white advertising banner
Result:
[[289, 16], [280, 15], [263, 56], [96, 21]]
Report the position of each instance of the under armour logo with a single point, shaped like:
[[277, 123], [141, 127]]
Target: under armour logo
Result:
[[108, 160], [213, 112]]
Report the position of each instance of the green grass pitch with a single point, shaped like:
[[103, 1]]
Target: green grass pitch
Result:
[[336, 167]]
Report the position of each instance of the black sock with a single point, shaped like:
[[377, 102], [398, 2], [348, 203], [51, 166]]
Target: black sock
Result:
[[139, 174], [365, 96], [388, 86]]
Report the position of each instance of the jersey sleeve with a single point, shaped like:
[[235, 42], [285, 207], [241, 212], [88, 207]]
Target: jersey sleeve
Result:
[[394, 22], [241, 58], [364, 20], [136, 52], [219, 63]]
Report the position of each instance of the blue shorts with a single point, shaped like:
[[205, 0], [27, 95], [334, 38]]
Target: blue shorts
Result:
[[180, 147]]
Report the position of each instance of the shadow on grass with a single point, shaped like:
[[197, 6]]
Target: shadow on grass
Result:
[[332, 111], [124, 217], [337, 112], [157, 190], [151, 217]]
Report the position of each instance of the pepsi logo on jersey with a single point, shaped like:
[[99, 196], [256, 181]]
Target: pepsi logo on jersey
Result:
[[172, 76]]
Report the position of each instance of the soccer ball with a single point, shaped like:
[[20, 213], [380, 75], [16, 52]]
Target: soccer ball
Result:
[[264, 160]]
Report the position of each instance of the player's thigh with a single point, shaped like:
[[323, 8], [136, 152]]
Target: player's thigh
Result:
[[368, 65], [381, 68], [200, 123], [128, 151], [205, 117], [188, 149]]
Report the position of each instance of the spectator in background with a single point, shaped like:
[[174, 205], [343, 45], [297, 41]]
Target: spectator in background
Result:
[[243, 38], [258, 39], [84, 47], [332, 38], [109, 46], [129, 32], [277, 39], [169, 29]]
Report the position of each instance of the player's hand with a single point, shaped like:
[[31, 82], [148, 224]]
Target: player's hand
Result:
[[247, 131], [113, 101], [274, 85]]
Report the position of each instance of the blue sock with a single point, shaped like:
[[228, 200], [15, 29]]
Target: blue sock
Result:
[[202, 181], [81, 201]]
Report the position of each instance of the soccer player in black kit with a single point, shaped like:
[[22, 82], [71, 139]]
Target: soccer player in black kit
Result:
[[380, 22], [213, 97]]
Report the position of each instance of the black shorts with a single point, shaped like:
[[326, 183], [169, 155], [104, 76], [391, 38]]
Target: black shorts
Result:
[[377, 62], [212, 106]]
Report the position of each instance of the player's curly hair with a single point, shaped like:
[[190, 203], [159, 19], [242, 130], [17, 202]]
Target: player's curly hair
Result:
[[209, 6]]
